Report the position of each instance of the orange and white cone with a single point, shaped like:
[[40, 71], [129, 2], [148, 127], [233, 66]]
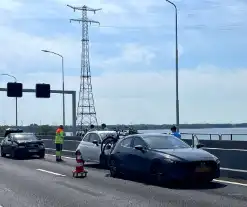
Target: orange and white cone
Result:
[[79, 169]]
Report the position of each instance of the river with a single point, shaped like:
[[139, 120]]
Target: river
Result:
[[237, 133]]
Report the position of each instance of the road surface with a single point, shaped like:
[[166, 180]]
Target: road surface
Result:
[[39, 183]]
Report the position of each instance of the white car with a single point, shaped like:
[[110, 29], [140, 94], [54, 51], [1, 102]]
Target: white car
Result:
[[90, 146]]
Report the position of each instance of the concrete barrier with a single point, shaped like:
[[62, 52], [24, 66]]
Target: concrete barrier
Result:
[[232, 154]]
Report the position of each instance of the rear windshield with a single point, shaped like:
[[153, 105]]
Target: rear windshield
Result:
[[25, 137]]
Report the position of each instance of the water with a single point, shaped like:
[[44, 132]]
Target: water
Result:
[[238, 134]]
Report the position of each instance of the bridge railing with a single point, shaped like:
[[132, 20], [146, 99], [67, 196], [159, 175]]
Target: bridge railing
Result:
[[185, 135], [215, 136]]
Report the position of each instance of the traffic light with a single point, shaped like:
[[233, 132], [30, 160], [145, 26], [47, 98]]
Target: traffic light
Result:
[[43, 90], [14, 89]]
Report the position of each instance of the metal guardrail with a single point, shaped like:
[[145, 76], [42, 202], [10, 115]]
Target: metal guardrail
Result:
[[185, 135], [215, 136]]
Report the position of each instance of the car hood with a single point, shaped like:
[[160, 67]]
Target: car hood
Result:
[[187, 154]]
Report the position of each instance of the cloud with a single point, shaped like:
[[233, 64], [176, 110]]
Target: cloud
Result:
[[132, 60]]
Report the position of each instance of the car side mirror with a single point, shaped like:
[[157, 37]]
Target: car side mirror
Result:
[[198, 146], [95, 142], [139, 147]]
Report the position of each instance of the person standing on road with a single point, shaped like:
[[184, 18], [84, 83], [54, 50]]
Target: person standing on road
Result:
[[175, 132], [59, 143], [92, 128], [103, 127]]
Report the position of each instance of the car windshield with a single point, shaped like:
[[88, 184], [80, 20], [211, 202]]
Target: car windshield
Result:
[[165, 142], [107, 134], [25, 137]]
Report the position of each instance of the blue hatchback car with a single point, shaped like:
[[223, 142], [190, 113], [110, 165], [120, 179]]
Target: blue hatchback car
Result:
[[163, 158]]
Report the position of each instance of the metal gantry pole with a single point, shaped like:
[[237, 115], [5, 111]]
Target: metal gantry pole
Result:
[[176, 42], [16, 102], [62, 81]]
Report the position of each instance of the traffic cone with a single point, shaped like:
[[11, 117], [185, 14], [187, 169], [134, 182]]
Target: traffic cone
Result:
[[79, 169]]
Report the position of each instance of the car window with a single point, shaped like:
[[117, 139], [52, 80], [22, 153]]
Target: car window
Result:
[[86, 138], [93, 137], [165, 142], [139, 141], [126, 142]]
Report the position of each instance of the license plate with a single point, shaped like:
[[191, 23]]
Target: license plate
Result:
[[203, 169], [33, 150]]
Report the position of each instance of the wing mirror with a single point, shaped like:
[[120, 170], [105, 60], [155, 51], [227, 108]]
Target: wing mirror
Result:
[[139, 147], [198, 146], [95, 142]]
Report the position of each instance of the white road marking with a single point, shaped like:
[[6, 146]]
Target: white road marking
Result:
[[50, 172], [234, 170], [69, 158], [230, 182], [223, 149], [63, 150]]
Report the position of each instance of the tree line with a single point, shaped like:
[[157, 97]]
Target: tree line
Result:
[[49, 129]]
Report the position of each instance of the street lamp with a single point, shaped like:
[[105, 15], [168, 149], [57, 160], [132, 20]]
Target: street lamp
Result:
[[16, 106], [176, 33], [62, 81]]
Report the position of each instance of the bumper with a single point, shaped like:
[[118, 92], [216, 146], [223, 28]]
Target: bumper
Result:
[[24, 151], [190, 173]]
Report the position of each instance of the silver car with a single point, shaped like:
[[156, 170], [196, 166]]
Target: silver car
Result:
[[90, 146]]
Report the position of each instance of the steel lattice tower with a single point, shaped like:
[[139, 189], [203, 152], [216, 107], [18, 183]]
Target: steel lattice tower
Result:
[[86, 113]]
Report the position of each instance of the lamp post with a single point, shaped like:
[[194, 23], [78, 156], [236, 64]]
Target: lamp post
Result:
[[62, 81], [16, 106], [176, 34]]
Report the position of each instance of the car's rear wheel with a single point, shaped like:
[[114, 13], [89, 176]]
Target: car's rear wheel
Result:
[[114, 171], [2, 153]]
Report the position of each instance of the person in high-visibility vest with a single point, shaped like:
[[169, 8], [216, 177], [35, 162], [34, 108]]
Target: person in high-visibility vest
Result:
[[59, 143]]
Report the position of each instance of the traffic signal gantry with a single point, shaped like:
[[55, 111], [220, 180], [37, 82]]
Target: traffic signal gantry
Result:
[[15, 89], [42, 90]]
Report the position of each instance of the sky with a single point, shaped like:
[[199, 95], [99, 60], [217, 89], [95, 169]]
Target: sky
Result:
[[132, 56]]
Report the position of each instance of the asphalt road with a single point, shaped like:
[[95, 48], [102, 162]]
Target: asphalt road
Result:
[[34, 183]]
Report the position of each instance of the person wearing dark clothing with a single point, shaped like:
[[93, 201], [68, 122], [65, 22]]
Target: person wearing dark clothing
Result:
[[175, 132]]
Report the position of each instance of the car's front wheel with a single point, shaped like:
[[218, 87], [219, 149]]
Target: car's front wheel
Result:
[[156, 174], [2, 153], [114, 171], [42, 155], [13, 154]]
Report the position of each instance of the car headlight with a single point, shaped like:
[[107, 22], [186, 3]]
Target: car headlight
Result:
[[42, 146], [170, 159], [216, 160]]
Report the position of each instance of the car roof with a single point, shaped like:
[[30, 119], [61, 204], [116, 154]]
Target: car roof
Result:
[[103, 132], [146, 135]]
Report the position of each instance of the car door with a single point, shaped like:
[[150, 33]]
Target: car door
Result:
[[94, 150], [139, 159], [124, 153], [84, 145]]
